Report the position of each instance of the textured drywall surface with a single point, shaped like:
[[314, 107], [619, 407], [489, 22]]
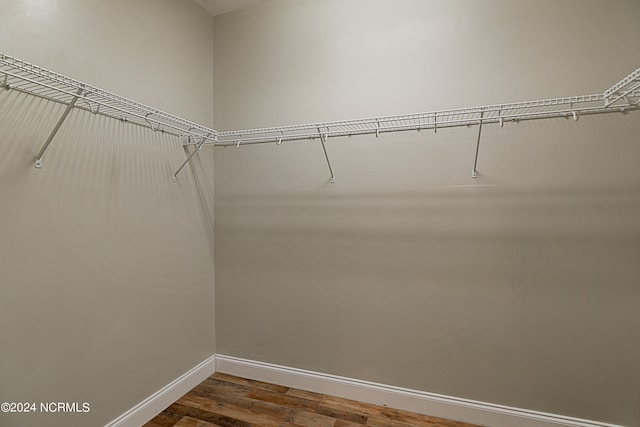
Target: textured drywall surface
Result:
[[519, 287], [106, 265]]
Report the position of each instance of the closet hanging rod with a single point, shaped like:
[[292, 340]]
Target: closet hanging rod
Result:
[[34, 80]]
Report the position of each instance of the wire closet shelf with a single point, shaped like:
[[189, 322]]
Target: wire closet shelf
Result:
[[22, 76], [622, 97]]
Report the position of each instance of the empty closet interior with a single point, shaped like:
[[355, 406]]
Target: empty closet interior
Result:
[[434, 198]]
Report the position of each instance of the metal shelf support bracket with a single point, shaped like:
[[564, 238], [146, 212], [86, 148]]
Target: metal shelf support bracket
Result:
[[474, 173], [198, 148], [38, 159], [323, 139]]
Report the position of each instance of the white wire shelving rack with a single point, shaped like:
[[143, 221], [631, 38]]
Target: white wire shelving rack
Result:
[[622, 97], [19, 75], [22, 76]]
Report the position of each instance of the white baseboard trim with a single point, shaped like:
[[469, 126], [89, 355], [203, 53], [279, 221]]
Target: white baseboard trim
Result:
[[437, 405], [163, 398]]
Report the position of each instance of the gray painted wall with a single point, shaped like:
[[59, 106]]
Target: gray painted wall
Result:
[[519, 287], [106, 265]]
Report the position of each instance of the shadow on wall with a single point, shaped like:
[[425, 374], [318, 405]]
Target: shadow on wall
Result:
[[105, 153], [106, 186], [471, 292], [201, 164], [480, 211], [102, 256]]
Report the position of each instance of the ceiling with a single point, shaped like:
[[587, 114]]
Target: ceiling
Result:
[[218, 7]]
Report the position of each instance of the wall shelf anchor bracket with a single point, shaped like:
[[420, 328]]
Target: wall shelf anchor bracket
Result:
[[474, 173], [70, 105]]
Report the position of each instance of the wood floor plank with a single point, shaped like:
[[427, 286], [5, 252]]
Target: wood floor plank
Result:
[[228, 401], [305, 394], [245, 402], [345, 423], [376, 421], [282, 399], [154, 423], [207, 416], [309, 419], [221, 390], [230, 410], [227, 393], [347, 405], [346, 416], [289, 408], [193, 422], [164, 419], [226, 385]]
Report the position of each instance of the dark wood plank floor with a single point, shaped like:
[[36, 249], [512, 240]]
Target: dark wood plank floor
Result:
[[225, 400]]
